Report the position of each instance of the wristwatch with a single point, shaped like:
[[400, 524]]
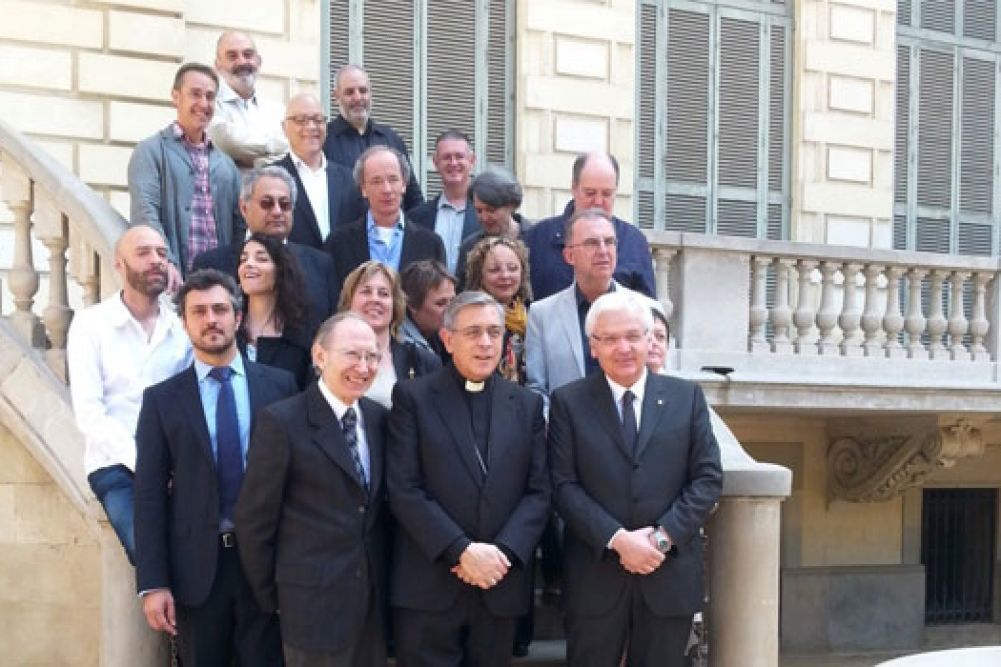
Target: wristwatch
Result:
[[663, 544]]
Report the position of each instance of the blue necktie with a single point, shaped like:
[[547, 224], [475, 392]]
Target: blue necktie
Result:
[[229, 454], [349, 423]]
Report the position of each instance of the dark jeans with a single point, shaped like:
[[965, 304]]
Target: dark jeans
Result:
[[113, 487]]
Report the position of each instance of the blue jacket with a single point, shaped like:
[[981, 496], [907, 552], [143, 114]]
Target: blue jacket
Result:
[[550, 273]]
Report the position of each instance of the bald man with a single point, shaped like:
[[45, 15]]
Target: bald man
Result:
[[245, 127], [594, 184], [328, 196], [116, 349]]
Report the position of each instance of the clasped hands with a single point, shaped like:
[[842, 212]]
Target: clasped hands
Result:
[[482, 565], [637, 551]]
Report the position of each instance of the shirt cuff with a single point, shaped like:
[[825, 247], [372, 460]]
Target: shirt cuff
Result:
[[612, 538]]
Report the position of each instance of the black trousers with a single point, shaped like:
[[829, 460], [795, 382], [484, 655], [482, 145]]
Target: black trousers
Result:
[[630, 628], [466, 635], [229, 625], [368, 650]]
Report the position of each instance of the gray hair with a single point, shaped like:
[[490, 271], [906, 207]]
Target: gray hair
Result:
[[330, 324], [467, 299], [251, 177], [350, 67], [589, 213], [496, 187], [359, 170], [618, 302]]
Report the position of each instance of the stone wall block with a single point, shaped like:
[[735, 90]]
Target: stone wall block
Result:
[[126, 77], [146, 33], [51, 24], [266, 16], [105, 165], [35, 68], [43, 114]]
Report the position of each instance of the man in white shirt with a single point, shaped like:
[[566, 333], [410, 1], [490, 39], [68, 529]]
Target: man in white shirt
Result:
[[245, 127], [116, 349], [328, 195]]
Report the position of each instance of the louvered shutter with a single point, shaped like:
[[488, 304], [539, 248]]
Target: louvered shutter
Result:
[[900, 146], [938, 15], [500, 97], [389, 58], [339, 41], [776, 133], [646, 115], [979, 19], [934, 128], [976, 158]]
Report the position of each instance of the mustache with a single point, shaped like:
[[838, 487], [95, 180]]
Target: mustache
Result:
[[244, 70]]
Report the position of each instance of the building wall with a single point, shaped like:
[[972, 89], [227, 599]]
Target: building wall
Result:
[[843, 100], [42, 534]]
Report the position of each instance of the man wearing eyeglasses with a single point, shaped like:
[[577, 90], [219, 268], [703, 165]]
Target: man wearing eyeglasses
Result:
[[245, 126], [267, 199], [469, 487], [557, 350], [310, 520], [636, 471], [328, 196]]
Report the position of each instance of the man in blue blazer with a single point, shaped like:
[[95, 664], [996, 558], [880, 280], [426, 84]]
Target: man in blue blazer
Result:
[[192, 440]]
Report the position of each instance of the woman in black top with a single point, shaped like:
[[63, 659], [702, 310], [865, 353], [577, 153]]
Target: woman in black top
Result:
[[275, 330]]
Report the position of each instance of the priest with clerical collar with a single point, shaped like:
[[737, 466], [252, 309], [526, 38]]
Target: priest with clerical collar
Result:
[[469, 486]]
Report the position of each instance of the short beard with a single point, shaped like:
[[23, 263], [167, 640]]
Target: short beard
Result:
[[141, 283], [242, 83]]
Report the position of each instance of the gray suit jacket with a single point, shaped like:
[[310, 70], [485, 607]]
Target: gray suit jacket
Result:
[[554, 353], [161, 188]]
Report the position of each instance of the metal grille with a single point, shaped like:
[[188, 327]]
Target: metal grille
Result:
[[957, 549]]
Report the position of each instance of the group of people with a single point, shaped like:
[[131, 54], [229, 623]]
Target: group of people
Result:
[[369, 410]]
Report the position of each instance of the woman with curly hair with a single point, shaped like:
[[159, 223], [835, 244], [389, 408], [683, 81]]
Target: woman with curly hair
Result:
[[373, 291], [275, 330], [498, 266]]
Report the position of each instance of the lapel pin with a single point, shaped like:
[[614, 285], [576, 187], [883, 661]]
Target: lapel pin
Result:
[[660, 401]]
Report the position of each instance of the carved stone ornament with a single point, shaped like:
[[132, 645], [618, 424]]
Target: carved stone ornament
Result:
[[872, 465]]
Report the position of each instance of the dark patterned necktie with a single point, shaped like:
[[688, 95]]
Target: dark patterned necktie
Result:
[[229, 454], [629, 420], [349, 423]]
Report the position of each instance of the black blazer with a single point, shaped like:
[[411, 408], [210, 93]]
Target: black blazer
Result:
[[425, 215], [290, 352], [410, 361], [176, 489], [323, 290], [438, 502], [312, 542], [672, 480], [348, 246], [344, 203]]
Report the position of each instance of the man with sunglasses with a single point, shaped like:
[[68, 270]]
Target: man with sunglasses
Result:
[[267, 199]]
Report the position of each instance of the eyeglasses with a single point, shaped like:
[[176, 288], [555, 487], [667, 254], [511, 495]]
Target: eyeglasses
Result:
[[631, 337], [592, 245], [303, 121], [268, 203], [354, 356], [474, 333]]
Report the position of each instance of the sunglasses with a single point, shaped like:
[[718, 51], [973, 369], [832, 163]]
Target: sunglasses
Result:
[[268, 203]]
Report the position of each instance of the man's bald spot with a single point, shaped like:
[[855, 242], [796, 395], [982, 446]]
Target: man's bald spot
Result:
[[586, 159], [300, 98], [231, 33], [132, 237], [350, 68]]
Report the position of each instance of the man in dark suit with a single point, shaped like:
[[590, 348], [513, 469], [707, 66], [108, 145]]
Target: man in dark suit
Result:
[[267, 198], [635, 470], [310, 521], [328, 196], [384, 234], [463, 554], [192, 438], [353, 131], [451, 215]]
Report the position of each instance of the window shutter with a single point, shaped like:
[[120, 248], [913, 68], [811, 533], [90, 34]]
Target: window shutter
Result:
[[980, 19], [389, 59], [687, 97], [777, 110], [976, 159], [935, 129], [685, 213], [932, 235], [339, 41], [938, 15], [738, 103], [903, 12], [646, 119], [500, 95], [902, 110]]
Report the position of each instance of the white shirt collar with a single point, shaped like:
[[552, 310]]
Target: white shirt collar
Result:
[[227, 94], [637, 388], [300, 164], [338, 406]]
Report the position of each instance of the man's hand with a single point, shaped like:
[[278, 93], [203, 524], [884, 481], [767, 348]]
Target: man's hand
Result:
[[636, 552], [174, 279], [482, 565], [158, 606]]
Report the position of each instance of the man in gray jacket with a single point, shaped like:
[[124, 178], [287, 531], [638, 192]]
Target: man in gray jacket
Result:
[[180, 183]]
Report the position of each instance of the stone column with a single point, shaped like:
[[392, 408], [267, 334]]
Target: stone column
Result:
[[126, 640]]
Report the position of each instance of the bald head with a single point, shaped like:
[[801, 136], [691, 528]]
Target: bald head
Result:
[[595, 182], [353, 93], [238, 62], [141, 261], [305, 126]]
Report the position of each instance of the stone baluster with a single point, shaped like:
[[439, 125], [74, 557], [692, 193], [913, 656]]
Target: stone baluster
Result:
[[803, 317], [936, 317], [958, 324], [758, 313], [781, 312], [662, 270], [851, 316], [22, 277], [893, 321], [914, 323], [872, 317], [52, 229], [827, 315], [979, 324]]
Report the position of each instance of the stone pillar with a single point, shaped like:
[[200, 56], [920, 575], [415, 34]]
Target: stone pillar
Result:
[[126, 640]]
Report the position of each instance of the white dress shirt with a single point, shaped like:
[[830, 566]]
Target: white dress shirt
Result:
[[249, 131], [314, 182], [618, 391], [111, 361], [339, 409]]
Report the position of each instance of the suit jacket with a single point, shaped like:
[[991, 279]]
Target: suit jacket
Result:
[[426, 214], [554, 352], [176, 489], [348, 246], [550, 273], [344, 203], [410, 360], [671, 480], [312, 540], [441, 499], [323, 290]]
